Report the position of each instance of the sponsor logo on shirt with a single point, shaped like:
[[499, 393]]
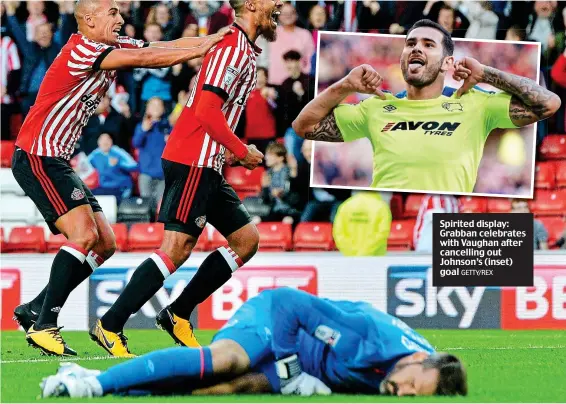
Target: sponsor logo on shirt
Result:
[[431, 128], [453, 106]]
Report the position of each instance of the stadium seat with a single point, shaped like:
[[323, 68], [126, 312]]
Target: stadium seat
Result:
[[54, 242], [413, 204], [396, 205], [545, 177], [549, 203], [109, 206], [256, 207], [7, 148], [275, 236], [8, 184], [27, 239], [135, 210], [313, 236], [18, 209], [203, 243], [216, 240], [121, 234], [553, 147], [498, 205], [472, 204], [560, 168], [145, 236], [243, 179], [401, 235], [555, 226]]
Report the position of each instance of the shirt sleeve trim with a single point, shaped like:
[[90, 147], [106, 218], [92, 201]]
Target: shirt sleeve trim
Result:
[[100, 58]]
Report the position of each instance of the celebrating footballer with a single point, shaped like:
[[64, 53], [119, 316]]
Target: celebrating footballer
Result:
[[432, 139]]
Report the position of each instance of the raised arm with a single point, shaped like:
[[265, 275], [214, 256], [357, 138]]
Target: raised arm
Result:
[[530, 102], [317, 122], [154, 56], [189, 42]]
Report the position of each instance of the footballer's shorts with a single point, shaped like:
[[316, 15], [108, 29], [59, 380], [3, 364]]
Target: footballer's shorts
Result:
[[52, 185], [194, 196]]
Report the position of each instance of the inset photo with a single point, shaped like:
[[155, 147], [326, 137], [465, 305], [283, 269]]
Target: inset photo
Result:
[[425, 113]]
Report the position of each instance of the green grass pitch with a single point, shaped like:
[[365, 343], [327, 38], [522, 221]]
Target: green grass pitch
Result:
[[503, 366]]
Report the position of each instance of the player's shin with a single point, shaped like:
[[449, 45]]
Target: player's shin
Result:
[[68, 260], [195, 364], [214, 272], [145, 282]]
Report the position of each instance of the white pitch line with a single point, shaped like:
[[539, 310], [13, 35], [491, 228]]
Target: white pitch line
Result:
[[504, 348], [65, 359]]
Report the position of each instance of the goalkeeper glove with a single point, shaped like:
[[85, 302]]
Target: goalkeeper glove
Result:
[[295, 381]]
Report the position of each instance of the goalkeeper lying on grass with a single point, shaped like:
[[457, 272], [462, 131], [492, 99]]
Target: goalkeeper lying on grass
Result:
[[283, 341]]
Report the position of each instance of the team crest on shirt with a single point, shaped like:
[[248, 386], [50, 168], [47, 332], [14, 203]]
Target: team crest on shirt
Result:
[[200, 221], [327, 335], [453, 106], [230, 75], [77, 195]]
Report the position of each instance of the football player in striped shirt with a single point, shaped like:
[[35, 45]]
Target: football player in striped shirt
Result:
[[70, 92], [195, 190]]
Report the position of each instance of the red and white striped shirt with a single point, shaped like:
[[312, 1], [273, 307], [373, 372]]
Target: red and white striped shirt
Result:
[[9, 61], [229, 70], [429, 205], [68, 96]]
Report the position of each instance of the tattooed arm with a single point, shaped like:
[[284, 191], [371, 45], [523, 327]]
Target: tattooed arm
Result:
[[530, 102], [317, 122]]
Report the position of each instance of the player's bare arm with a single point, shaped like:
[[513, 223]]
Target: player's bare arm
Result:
[[155, 57], [530, 102], [191, 42], [317, 122]]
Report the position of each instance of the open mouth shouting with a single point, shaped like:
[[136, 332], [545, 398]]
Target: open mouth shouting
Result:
[[274, 17]]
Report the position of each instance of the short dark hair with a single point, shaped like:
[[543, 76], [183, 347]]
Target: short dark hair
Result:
[[292, 55], [237, 5], [447, 42], [264, 70], [520, 32], [452, 378], [445, 6]]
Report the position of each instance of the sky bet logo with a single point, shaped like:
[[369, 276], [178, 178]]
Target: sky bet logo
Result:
[[432, 128]]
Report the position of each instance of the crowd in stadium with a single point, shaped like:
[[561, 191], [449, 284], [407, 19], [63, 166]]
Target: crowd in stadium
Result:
[[120, 148]]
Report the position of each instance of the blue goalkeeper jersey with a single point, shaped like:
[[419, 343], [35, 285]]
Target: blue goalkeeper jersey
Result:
[[360, 369]]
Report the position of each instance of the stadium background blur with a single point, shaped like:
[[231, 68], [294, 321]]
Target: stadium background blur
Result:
[[32, 33]]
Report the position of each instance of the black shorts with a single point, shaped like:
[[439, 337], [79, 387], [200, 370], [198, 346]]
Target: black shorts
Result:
[[52, 185], [194, 196]]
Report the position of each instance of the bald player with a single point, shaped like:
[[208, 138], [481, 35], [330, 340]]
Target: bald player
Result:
[[69, 94]]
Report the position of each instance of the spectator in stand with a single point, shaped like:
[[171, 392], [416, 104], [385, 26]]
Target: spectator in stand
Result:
[[556, 42], [295, 93], [149, 138], [362, 225], [558, 74], [276, 185], [168, 19], [483, 21], [373, 16], [260, 122], [289, 37], [541, 23], [431, 204], [154, 82], [207, 17], [36, 17], [515, 33], [106, 119], [318, 19], [10, 78], [182, 73], [301, 174], [127, 10], [540, 234], [453, 20], [114, 166], [37, 54]]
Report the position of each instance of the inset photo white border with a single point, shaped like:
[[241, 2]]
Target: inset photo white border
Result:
[[456, 40]]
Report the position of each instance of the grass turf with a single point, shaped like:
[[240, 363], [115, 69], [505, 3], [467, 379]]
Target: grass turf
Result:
[[503, 366]]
